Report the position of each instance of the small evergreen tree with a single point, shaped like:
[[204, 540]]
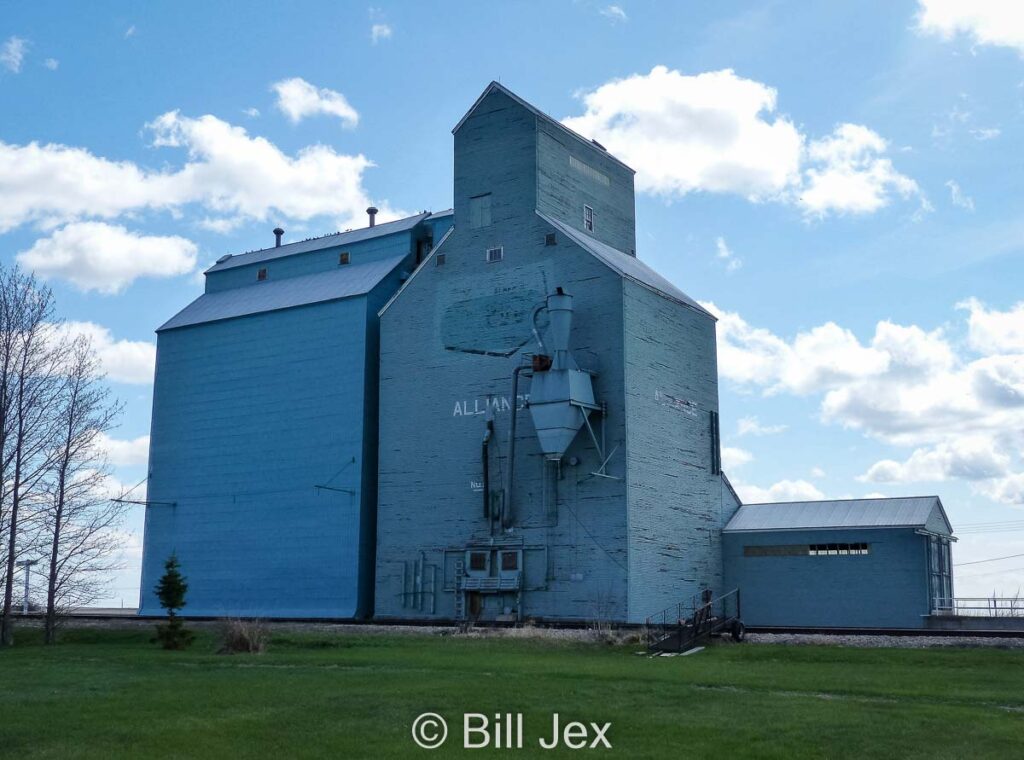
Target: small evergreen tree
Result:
[[171, 592]]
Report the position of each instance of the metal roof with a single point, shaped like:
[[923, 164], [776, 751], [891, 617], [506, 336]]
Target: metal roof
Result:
[[626, 265], [271, 295], [541, 115], [327, 241], [924, 512]]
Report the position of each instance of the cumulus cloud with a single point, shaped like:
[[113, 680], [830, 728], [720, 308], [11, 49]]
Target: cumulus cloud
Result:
[[990, 331], [970, 458], [12, 53], [297, 99], [123, 361], [784, 490], [51, 63], [753, 426], [985, 22], [848, 172], [379, 32], [614, 13], [125, 453], [719, 132], [733, 457], [961, 408], [958, 196], [226, 170], [107, 258]]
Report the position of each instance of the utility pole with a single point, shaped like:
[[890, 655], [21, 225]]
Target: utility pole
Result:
[[27, 564]]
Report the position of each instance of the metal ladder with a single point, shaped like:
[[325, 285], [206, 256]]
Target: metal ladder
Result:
[[460, 595]]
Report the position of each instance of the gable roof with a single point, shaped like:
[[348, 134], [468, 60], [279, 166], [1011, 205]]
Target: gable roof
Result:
[[316, 244], [272, 295], [498, 87], [921, 512], [627, 266]]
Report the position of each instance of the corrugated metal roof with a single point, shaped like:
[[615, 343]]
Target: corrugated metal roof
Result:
[[911, 512], [344, 282], [628, 266], [327, 241]]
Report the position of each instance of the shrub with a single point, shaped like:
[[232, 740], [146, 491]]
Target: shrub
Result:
[[243, 636]]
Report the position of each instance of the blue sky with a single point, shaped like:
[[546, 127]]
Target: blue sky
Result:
[[842, 181]]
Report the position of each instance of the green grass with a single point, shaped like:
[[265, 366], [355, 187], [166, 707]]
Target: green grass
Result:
[[113, 694]]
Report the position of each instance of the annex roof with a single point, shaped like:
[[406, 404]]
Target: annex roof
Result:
[[626, 265], [316, 244], [497, 86], [921, 512], [271, 295]]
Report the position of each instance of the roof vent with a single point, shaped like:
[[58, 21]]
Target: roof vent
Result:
[[278, 232], [599, 145], [372, 211], [224, 258]]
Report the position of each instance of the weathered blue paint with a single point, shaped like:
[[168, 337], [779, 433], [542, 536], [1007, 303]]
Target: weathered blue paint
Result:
[[887, 588], [593, 547], [250, 414]]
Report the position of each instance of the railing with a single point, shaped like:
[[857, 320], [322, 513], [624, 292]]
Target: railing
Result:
[[697, 614], [991, 607]]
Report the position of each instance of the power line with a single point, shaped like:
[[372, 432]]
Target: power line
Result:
[[990, 559]]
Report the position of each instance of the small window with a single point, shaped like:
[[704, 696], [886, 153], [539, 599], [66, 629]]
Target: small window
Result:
[[261, 275], [344, 258], [439, 260], [480, 211], [550, 239], [588, 219], [509, 560], [478, 561], [495, 254]]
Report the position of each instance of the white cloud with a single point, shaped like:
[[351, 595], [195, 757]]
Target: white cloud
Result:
[[962, 413], [969, 458], [753, 426], [848, 172], [958, 197], [380, 32], [733, 457], [985, 133], [107, 258], [990, 331], [817, 358], [227, 171], [124, 361], [614, 13], [986, 22], [125, 453], [718, 132], [784, 490], [817, 472], [252, 113], [12, 53], [724, 253], [130, 31], [51, 64], [297, 99]]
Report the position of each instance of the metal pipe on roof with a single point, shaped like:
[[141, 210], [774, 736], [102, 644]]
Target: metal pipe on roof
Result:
[[372, 211], [278, 233]]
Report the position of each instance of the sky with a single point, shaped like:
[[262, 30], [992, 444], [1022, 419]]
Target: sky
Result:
[[840, 182]]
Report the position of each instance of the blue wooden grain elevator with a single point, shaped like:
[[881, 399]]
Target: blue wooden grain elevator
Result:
[[496, 412]]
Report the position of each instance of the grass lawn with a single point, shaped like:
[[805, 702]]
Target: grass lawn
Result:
[[113, 694]]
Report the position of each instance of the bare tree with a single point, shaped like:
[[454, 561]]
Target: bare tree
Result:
[[81, 517], [32, 363]]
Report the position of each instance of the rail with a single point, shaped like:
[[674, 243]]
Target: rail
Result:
[[985, 607]]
